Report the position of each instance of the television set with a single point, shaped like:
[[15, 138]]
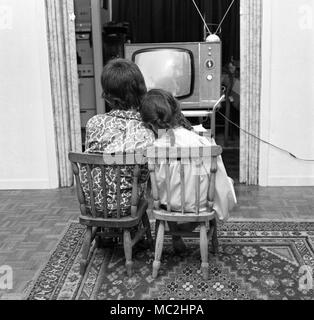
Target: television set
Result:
[[191, 71]]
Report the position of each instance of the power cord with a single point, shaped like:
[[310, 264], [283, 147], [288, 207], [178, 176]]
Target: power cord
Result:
[[266, 142]]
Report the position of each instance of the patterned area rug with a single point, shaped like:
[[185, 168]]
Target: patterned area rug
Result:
[[256, 260]]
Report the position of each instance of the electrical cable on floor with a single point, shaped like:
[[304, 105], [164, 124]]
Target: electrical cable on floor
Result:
[[266, 142]]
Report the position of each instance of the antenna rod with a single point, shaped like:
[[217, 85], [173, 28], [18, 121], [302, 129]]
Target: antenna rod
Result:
[[199, 12], [224, 17]]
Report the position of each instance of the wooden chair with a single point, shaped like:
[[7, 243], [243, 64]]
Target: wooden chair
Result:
[[205, 218], [98, 223]]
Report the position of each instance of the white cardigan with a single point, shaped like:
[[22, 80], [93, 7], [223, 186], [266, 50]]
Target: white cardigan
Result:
[[225, 198]]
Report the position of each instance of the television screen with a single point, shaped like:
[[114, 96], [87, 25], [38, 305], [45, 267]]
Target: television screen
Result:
[[168, 69]]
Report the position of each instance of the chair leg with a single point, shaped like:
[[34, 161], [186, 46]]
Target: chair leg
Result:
[[204, 250], [127, 244], [215, 243], [150, 205], [85, 250], [98, 239], [146, 224], [156, 228], [98, 242], [158, 248]]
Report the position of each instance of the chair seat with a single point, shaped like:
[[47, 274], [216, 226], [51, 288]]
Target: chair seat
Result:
[[186, 217], [124, 222]]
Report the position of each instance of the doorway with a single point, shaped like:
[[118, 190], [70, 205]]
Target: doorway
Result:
[[247, 11]]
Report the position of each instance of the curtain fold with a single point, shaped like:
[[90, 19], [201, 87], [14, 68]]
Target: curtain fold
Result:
[[64, 84], [251, 64]]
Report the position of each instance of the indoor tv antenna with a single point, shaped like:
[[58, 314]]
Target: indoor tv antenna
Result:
[[213, 36]]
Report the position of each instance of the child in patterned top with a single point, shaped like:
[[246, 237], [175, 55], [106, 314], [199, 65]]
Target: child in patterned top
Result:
[[120, 130]]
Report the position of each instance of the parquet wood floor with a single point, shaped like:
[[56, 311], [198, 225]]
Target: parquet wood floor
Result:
[[274, 203], [32, 223]]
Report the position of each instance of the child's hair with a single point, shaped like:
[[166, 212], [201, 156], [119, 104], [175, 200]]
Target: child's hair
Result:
[[123, 84], [160, 110]]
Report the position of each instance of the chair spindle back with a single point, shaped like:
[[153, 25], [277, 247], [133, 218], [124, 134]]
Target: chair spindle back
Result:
[[102, 162], [185, 157]]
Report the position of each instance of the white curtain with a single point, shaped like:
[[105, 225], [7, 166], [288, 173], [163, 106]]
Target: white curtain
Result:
[[251, 37], [64, 83]]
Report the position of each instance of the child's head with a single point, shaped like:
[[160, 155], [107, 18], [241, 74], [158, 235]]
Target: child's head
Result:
[[123, 84], [160, 110]]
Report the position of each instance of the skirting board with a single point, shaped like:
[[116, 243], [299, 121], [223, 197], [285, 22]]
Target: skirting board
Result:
[[277, 181], [26, 184]]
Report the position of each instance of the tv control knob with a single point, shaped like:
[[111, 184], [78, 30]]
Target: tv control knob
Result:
[[209, 63], [209, 77]]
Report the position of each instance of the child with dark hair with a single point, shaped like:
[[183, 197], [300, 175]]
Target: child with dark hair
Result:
[[123, 85], [162, 114], [120, 130], [160, 110]]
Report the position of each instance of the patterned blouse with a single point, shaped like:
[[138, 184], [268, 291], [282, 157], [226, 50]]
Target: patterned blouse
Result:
[[115, 132]]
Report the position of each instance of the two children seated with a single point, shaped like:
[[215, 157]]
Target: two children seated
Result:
[[139, 119]]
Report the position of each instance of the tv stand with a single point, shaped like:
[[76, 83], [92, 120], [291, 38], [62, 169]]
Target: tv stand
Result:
[[200, 114], [196, 113]]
